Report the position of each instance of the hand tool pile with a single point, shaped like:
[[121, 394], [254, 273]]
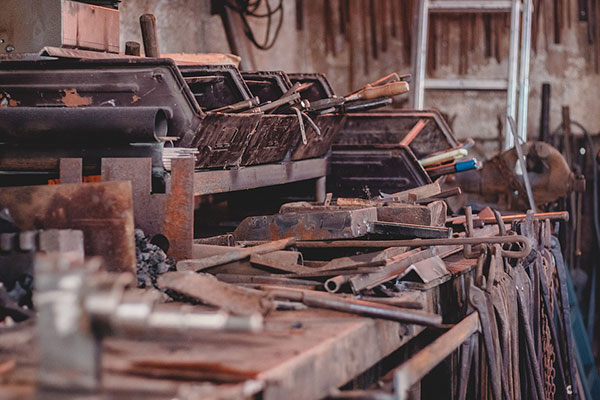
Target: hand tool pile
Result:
[[516, 290]]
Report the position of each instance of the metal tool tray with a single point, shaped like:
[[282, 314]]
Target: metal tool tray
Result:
[[368, 170], [215, 86], [133, 82], [393, 126], [320, 88], [267, 85]]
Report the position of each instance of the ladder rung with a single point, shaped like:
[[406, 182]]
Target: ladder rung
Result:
[[449, 6], [466, 84]]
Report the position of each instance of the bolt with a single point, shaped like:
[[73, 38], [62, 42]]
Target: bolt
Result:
[[10, 48]]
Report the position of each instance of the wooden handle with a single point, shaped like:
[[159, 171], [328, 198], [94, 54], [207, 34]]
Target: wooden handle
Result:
[[149, 35], [132, 48], [387, 90]]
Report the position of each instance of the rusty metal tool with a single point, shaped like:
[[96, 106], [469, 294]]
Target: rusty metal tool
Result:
[[478, 300], [506, 219], [525, 320], [264, 260], [419, 365], [209, 290], [368, 308], [266, 280], [372, 92], [149, 35], [236, 254], [397, 267], [460, 241]]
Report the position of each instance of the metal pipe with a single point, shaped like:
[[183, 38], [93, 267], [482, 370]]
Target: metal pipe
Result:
[[334, 284], [419, 365], [355, 306], [513, 64], [420, 54], [84, 125], [524, 68], [234, 255]]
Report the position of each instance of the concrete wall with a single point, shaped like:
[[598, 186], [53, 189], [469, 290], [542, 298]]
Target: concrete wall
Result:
[[187, 26]]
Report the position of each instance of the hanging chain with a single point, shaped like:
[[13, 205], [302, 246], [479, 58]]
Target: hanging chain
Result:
[[549, 357]]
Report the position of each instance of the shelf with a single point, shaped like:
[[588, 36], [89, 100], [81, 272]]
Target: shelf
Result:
[[243, 178]]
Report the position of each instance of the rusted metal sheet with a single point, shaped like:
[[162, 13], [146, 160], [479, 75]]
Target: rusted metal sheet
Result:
[[102, 211], [170, 214], [307, 226]]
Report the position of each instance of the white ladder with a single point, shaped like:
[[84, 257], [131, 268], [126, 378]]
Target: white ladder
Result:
[[513, 84]]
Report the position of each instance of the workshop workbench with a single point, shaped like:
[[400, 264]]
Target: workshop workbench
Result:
[[302, 354]]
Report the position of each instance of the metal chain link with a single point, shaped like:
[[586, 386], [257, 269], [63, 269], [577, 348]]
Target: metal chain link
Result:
[[549, 357]]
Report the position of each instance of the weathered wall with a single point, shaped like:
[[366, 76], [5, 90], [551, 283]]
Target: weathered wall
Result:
[[187, 26]]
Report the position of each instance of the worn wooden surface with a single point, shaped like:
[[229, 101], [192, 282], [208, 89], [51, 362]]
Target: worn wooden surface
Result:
[[301, 354]]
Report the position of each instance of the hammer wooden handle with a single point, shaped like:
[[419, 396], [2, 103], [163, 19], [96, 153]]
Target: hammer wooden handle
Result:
[[388, 90]]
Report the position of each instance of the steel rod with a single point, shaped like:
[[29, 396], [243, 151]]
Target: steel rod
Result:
[[419, 365], [234, 255]]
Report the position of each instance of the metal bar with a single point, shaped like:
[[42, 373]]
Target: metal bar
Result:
[[466, 84], [524, 69], [235, 254], [420, 54], [354, 306], [222, 181], [460, 241], [419, 365], [466, 6], [513, 64], [553, 216]]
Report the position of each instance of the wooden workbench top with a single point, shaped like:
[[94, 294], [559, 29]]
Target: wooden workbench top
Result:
[[302, 354]]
